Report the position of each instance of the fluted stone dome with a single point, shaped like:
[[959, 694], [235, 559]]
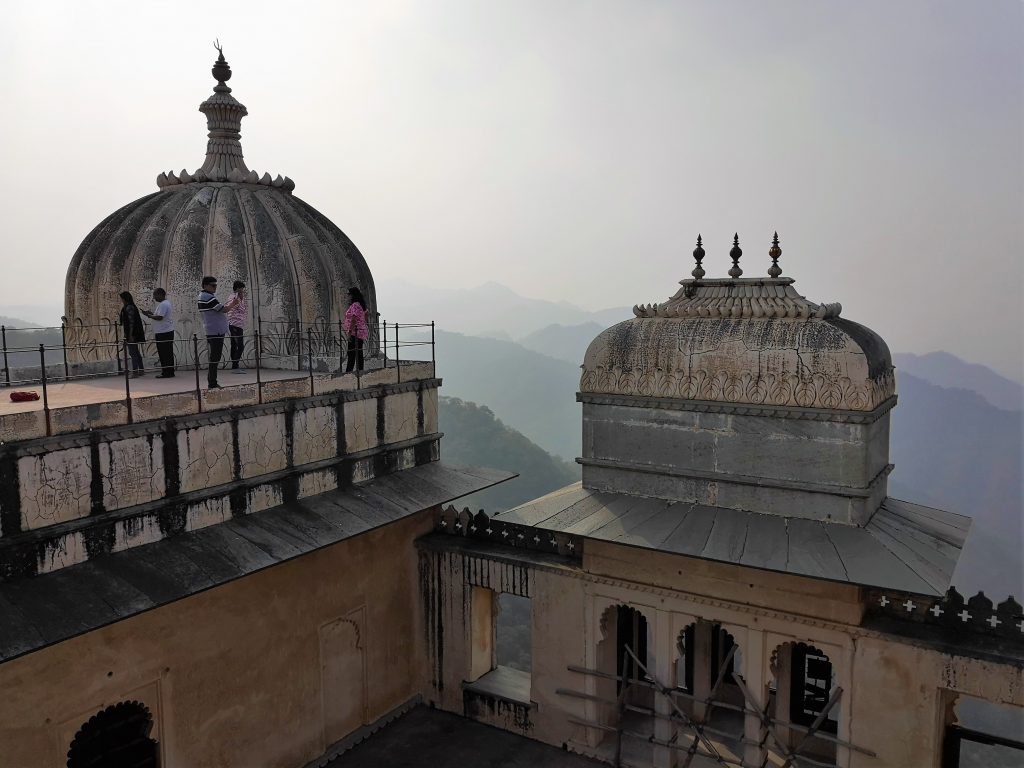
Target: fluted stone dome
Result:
[[223, 220], [742, 340]]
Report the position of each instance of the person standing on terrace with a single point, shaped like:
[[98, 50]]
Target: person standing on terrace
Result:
[[163, 330], [356, 329], [237, 322], [134, 332], [215, 322]]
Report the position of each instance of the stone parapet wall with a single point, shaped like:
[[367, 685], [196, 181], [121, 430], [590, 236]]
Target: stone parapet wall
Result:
[[67, 498]]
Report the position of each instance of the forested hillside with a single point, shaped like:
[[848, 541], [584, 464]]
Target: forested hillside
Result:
[[472, 435]]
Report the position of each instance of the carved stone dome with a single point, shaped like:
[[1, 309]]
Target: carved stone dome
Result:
[[742, 340], [223, 220]]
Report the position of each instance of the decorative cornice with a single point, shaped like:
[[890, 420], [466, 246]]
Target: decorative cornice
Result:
[[740, 409], [739, 298], [171, 180], [833, 393]]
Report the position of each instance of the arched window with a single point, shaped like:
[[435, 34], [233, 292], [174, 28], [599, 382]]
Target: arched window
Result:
[[117, 737]]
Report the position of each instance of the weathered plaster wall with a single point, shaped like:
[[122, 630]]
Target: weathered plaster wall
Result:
[[67, 498], [899, 694], [265, 671]]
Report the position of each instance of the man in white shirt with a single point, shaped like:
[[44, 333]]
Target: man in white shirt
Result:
[[163, 329]]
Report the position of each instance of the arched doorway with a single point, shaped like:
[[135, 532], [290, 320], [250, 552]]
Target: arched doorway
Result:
[[117, 737]]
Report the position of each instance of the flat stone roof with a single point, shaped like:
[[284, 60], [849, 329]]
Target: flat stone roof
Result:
[[905, 547], [38, 611], [430, 737]]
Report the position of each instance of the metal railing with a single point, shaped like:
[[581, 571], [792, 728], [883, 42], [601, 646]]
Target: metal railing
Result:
[[312, 352]]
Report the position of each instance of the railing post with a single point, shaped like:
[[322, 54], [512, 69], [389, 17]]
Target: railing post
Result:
[[259, 382], [117, 345], [127, 385], [398, 361], [7, 370], [385, 343], [309, 342], [195, 360], [298, 352], [433, 353], [46, 398], [64, 346]]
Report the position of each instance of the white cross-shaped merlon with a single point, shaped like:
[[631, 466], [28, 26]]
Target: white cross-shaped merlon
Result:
[[444, 523], [554, 542], [472, 528], [489, 530], [884, 601], [993, 621], [520, 536], [536, 539], [1020, 625], [910, 605], [964, 615], [570, 545], [936, 610], [458, 526], [504, 533]]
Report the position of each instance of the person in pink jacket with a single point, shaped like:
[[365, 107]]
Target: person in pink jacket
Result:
[[356, 329]]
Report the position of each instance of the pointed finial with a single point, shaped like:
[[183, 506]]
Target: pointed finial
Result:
[[698, 255], [774, 270], [735, 254], [221, 71]]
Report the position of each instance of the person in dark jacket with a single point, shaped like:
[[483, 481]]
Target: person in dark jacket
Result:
[[134, 332]]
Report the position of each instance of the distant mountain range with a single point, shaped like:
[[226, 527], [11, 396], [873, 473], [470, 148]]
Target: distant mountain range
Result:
[[947, 370], [488, 310]]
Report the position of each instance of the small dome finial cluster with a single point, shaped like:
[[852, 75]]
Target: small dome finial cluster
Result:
[[735, 254], [698, 255], [775, 270]]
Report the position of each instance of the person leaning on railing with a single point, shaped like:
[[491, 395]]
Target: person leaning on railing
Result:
[[356, 329], [134, 332]]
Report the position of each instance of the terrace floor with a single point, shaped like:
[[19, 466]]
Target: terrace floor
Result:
[[108, 389]]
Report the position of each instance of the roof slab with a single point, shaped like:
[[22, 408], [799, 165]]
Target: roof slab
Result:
[[905, 547], [39, 611]]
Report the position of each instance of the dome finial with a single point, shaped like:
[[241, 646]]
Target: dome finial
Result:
[[735, 254], [774, 270], [698, 255], [224, 115], [221, 71]]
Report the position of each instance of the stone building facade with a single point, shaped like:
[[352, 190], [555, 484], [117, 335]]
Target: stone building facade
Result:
[[265, 576]]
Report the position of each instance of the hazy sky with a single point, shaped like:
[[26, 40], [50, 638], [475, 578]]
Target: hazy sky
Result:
[[568, 149]]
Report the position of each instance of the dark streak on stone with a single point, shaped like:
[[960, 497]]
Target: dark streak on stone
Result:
[[96, 477], [236, 451], [380, 420], [172, 460], [419, 411], [10, 495]]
